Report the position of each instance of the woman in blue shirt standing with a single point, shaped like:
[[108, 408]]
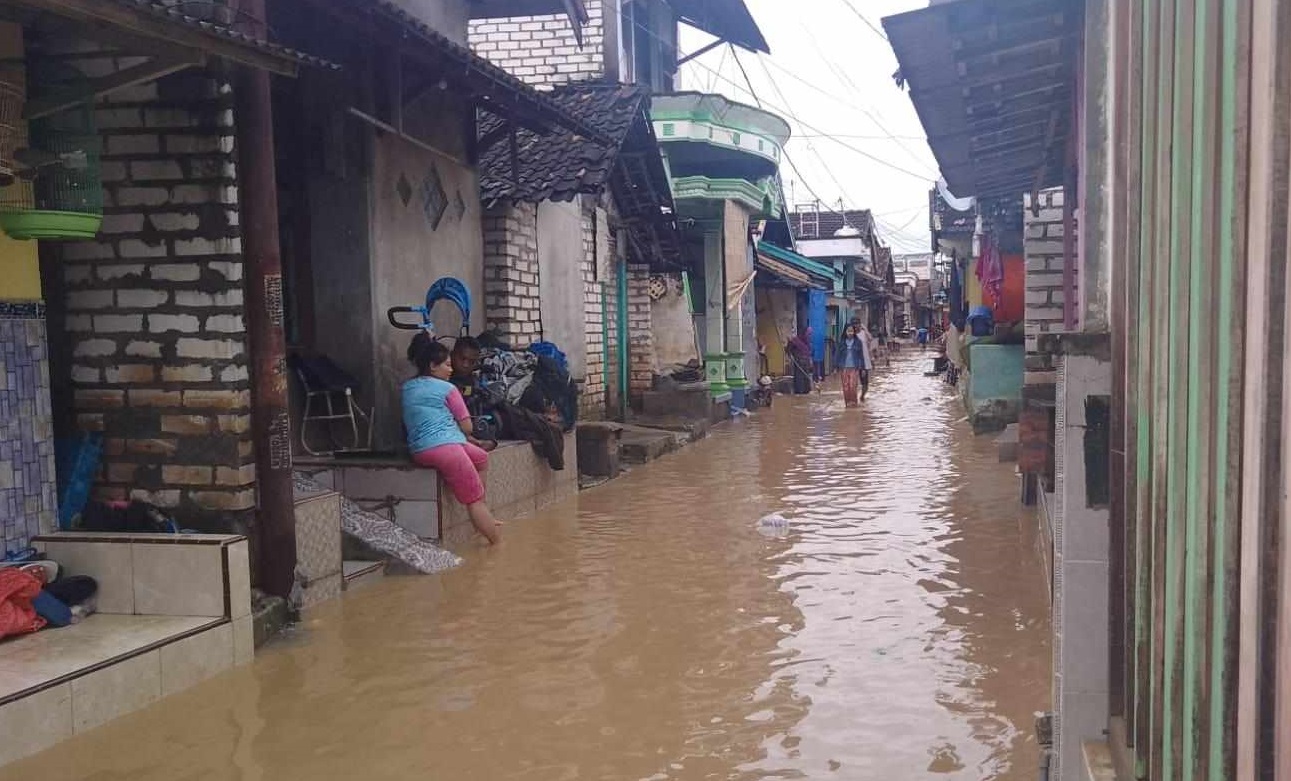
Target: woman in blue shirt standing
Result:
[[439, 429], [854, 359]]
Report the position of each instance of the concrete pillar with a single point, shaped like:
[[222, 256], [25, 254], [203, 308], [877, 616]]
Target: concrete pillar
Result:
[[715, 311]]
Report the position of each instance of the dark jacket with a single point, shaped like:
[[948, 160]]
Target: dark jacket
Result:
[[857, 348]]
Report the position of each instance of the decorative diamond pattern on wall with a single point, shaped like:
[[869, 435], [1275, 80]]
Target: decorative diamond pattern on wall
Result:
[[434, 201], [459, 206], [404, 188]]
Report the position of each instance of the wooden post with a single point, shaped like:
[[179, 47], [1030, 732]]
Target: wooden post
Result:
[[270, 422]]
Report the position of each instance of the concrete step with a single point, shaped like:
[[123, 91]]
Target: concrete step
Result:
[[362, 573], [1008, 443], [692, 429], [641, 444]]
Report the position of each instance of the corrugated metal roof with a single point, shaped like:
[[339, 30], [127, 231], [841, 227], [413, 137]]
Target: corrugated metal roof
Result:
[[993, 83], [821, 276], [729, 20]]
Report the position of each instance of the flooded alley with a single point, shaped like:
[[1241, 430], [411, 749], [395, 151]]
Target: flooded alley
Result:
[[649, 630]]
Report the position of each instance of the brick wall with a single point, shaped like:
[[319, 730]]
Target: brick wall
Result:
[[511, 272], [640, 331], [592, 400], [28, 505], [1043, 245], [541, 50], [1044, 249], [153, 311]]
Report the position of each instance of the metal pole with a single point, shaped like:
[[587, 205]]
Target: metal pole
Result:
[[624, 354], [275, 530]]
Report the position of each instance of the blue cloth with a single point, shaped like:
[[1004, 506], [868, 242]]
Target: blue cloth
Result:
[[426, 416], [51, 608], [816, 313], [550, 350]]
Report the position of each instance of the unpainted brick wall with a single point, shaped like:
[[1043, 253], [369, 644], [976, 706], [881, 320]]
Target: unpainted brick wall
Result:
[[640, 331], [1043, 245], [542, 50], [153, 310], [511, 272], [591, 402]]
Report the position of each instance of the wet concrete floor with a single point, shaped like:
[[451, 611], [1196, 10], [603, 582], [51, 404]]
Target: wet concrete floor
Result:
[[649, 631]]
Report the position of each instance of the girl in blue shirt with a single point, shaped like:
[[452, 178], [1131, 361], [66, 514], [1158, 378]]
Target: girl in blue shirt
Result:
[[439, 428]]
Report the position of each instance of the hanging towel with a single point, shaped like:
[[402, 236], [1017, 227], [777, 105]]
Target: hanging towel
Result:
[[990, 270]]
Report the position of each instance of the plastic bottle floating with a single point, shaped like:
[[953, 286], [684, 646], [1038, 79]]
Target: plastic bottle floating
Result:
[[773, 525]]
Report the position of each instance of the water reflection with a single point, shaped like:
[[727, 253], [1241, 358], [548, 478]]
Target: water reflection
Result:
[[648, 631]]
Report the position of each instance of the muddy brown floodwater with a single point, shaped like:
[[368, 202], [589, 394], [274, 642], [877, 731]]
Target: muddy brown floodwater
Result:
[[648, 631]]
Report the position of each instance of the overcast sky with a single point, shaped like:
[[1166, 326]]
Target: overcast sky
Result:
[[830, 74]]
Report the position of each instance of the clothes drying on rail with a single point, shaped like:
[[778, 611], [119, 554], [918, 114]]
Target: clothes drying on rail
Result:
[[546, 437]]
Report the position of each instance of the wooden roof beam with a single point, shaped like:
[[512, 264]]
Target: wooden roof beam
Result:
[[145, 24]]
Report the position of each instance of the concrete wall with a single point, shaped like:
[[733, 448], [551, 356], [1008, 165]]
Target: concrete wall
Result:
[[673, 326], [1081, 561], [410, 250], [340, 263], [560, 281], [777, 321], [993, 389]]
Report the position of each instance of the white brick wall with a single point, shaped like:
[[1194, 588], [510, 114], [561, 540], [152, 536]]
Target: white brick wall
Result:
[[511, 273], [1043, 244], [153, 310], [592, 403], [542, 50]]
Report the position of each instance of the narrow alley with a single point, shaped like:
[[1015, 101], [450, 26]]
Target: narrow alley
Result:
[[649, 629]]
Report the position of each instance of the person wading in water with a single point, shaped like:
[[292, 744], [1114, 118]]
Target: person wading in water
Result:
[[855, 360]]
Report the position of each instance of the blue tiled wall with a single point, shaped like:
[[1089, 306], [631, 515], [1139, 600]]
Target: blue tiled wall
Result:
[[28, 503]]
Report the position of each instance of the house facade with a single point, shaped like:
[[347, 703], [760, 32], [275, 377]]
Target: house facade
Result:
[[1142, 143], [648, 312]]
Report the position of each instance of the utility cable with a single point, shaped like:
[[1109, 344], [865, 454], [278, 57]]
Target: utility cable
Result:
[[785, 113]]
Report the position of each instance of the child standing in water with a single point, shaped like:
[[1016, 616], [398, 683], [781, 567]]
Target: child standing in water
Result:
[[438, 427], [855, 361]]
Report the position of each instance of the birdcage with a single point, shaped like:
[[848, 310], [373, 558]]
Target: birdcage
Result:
[[62, 163], [10, 125]]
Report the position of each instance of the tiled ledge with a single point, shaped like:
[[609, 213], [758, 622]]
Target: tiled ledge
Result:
[[174, 610]]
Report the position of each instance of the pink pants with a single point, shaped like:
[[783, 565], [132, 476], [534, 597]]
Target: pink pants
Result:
[[460, 465]]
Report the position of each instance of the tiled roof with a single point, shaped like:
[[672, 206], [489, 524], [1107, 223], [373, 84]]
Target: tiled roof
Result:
[[178, 13], [827, 222], [560, 165]]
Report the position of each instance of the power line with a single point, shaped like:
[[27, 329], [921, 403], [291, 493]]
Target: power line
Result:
[[897, 240], [786, 113], [858, 136], [863, 18], [843, 77], [810, 146]]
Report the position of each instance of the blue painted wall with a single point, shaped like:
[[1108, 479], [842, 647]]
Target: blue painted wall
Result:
[[996, 371]]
